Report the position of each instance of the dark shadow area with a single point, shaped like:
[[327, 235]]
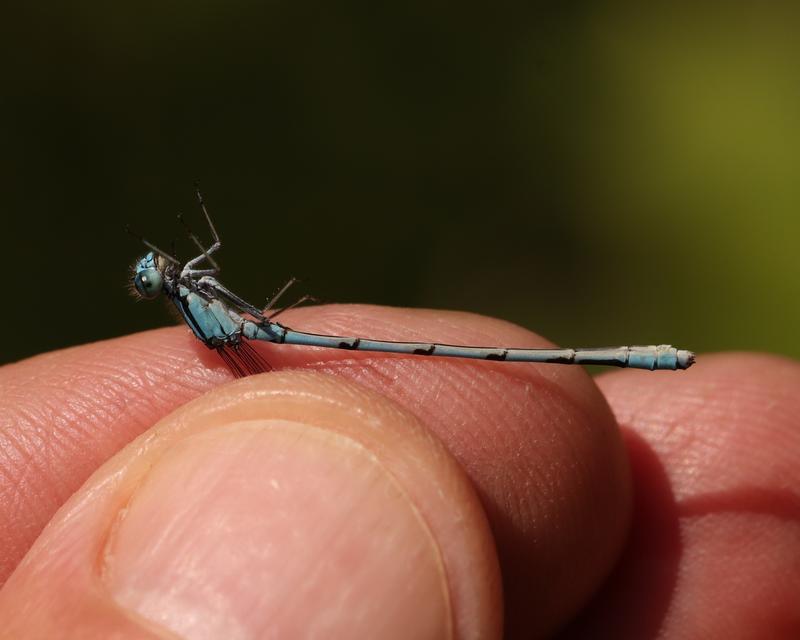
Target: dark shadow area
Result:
[[635, 599]]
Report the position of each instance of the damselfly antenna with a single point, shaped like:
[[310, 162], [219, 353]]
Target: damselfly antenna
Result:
[[151, 246]]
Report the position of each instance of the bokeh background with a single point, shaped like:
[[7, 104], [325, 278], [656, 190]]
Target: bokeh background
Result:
[[600, 172]]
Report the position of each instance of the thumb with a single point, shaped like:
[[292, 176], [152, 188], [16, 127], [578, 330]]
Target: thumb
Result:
[[284, 505]]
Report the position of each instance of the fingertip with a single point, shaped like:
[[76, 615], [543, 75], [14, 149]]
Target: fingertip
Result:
[[743, 406], [539, 444], [288, 501], [714, 453]]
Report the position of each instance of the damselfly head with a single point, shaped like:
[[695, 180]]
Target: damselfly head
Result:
[[148, 278]]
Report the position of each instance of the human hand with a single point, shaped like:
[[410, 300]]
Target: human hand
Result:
[[298, 502]]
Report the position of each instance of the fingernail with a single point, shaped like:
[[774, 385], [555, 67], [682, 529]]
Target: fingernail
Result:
[[280, 529]]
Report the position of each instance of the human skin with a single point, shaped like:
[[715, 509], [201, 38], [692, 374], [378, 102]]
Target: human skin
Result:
[[372, 495]]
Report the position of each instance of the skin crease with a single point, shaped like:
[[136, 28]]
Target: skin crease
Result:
[[711, 453]]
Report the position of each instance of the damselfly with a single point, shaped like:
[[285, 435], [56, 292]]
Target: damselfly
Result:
[[223, 321]]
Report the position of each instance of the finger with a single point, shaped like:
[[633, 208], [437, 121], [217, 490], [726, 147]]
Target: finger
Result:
[[715, 546], [64, 413], [538, 442], [282, 503]]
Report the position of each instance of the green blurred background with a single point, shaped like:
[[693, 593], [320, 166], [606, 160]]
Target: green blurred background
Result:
[[601, 173]]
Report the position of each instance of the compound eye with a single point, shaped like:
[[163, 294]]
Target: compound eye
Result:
[[148, 283]]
